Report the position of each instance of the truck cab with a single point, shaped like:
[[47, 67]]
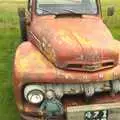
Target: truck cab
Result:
[[68, 64]]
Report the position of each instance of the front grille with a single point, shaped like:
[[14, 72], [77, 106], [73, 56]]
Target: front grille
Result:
[[89, 67], [89, 89]]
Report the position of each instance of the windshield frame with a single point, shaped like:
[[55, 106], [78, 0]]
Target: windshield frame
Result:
[[96, 14]]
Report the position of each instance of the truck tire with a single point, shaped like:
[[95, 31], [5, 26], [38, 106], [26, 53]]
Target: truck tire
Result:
[[22, 22]]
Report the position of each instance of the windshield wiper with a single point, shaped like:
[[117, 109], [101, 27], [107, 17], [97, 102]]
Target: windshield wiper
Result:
[[70, 11]]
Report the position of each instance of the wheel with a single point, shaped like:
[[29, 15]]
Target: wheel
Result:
[[23, 30]]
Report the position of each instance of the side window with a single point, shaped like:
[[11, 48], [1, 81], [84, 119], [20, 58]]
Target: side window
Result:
[[29, 5]]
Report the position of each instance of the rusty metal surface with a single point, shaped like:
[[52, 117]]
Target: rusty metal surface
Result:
[[32, 66], [81, 46], [56, 42]]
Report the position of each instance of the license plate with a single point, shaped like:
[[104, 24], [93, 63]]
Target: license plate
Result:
[[96, 115], [109, 111]]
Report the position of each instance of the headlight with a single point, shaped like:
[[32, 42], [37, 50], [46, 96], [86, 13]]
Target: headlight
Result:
[[33, 94]]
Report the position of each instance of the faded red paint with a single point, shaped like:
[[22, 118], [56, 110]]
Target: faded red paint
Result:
[[55, 42], [44, 72], [71, 41]]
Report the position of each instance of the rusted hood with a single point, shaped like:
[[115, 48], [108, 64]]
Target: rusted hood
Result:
[[73, 42]]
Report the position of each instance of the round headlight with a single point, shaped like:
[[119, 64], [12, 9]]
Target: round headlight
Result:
[[35, 97], [33, 94]]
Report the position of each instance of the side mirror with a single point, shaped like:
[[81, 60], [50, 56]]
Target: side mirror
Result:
[[110, 11]]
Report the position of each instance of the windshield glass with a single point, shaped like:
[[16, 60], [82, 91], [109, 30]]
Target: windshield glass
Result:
[[66, 6]]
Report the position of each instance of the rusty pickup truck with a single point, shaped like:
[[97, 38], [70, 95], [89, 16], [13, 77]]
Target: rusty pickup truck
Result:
[[68, 64]]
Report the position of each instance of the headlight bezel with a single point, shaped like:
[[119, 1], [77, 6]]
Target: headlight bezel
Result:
[[30, 91]]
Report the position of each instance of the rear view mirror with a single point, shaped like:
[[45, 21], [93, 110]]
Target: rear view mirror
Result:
[[110, 11]]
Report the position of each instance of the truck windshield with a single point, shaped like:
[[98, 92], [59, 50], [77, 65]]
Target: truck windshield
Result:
[[66, 7]]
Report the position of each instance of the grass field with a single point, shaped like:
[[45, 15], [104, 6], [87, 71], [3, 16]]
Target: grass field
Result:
[[10, 39], [114, 21]]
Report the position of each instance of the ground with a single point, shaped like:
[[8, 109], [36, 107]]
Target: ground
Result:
[[10, 39]]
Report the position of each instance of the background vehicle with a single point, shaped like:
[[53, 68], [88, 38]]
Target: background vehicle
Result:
[[68, 66]]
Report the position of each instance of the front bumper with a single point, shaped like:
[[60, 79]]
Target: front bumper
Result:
[[75, 108], [78, 114]]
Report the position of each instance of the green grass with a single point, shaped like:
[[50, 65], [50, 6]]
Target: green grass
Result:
[[10, 39], [112, 22]]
